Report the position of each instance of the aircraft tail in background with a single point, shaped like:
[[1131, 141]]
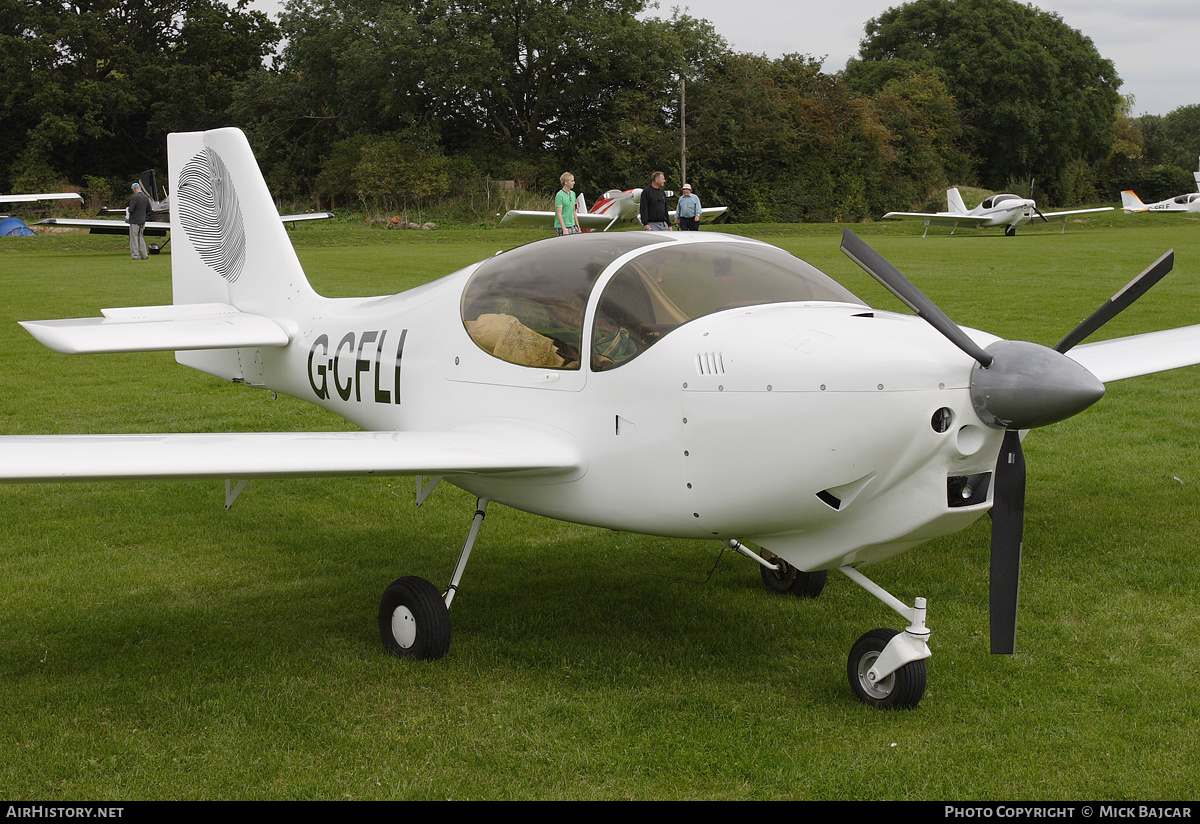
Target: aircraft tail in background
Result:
[[1132, 203], [954, 202]]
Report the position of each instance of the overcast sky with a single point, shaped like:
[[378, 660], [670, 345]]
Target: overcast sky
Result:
[[1151, 42]]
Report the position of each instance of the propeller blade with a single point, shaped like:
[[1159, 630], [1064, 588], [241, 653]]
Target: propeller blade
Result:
[[1120, 301], [1038, 212], [1008, 524], [877, 267]]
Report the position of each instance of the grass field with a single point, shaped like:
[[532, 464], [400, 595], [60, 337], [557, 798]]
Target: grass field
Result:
[[155, 646]]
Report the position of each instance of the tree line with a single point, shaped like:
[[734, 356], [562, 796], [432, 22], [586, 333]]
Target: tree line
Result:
[[427, 104]]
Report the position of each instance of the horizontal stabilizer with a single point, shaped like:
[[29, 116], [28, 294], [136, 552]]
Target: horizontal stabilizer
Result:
[[1120, 358], [159, 328], [40, 458]]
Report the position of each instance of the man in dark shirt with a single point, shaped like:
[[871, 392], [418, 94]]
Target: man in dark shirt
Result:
[[653, 208], [139, 211]]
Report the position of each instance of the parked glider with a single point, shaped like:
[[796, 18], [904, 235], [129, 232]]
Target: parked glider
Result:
[[1009, 211], [670, 383], [613, 208]]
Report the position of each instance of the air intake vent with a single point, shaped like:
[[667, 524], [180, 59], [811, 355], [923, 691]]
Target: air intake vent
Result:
[[710, 363]]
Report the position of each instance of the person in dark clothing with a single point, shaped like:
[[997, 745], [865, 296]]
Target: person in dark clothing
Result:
[[653, 208], [138, 213]]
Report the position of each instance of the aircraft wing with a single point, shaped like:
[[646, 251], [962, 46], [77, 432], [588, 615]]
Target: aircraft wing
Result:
[[488, 449], [707, 211], [159, 329], [545, 220], [938, 218], [32, 198], [1120, 358], [1065, 215], [306, 216], [104, 227]]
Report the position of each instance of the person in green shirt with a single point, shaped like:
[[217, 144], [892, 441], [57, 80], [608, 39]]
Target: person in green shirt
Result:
[[564, 207]]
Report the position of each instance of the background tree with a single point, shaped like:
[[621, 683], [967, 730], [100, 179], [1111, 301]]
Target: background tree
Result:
[[94, 86], [1036, 98]]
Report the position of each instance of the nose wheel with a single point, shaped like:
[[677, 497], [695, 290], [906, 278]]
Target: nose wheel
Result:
[[902, 689]]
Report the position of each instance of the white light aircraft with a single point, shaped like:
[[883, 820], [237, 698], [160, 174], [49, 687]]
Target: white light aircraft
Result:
[[1009, 211], [1189, 203], [613, 208], [676, 384]]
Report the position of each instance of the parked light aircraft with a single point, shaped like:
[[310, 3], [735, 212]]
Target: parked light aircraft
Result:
[[692, 385], [1009, 211], [614, 207], [1190, 203]]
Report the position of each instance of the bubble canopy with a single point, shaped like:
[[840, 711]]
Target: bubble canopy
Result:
[[529, 305]]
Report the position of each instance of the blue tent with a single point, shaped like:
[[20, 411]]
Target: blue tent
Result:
[[15, 227]]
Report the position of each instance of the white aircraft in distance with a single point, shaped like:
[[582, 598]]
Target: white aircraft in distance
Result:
[[614, 207], [1009, 211], [679, 384], [1130, 202]]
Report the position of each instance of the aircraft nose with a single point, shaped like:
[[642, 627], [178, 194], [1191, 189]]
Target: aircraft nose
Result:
[[1028, 385]]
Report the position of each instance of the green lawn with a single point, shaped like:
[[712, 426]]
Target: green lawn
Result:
[[156, 646]]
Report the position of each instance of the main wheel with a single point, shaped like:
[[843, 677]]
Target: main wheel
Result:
[[789, 579], [901, 690], [414, 621]]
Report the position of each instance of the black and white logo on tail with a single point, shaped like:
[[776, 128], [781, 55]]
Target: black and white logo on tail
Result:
[[210, 214]]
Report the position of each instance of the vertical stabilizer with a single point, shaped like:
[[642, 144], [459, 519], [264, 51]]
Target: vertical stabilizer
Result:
[[227, 242], [1131, 202], [955, 202], [1197, 176], [580, 205]]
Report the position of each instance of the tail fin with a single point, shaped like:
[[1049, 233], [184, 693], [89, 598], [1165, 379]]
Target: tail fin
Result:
[[580, 206], [1132, 203], [227, 242], [954, 202]]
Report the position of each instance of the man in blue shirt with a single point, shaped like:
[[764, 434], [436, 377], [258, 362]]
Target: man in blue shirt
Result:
[[687, 211]]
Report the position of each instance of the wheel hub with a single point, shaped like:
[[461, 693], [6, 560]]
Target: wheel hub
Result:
[[404, 627], [876, 689]]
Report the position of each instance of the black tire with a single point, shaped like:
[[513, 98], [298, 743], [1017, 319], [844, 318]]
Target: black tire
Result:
[[789, 579], [1010, 231], [902, 690], [414, 621]]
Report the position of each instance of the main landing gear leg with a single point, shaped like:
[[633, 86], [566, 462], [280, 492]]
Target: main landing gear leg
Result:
[[414, 618], [780, 576], [886, 668]]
